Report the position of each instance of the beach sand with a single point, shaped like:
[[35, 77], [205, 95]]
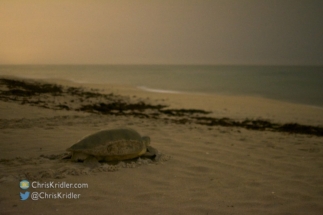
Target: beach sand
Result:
[[201, 169]]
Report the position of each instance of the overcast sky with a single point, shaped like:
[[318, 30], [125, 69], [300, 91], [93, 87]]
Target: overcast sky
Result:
[[276, 32]]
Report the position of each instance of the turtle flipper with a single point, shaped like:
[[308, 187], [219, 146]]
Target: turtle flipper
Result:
[[151, 152]]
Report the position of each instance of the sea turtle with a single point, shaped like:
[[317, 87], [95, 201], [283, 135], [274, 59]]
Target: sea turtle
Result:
[[112, 145]]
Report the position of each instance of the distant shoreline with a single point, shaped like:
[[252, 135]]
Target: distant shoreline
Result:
[[153, 90], [294, 84], [58, 97]]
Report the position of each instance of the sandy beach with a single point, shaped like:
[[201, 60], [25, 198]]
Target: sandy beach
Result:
[[217, 154]]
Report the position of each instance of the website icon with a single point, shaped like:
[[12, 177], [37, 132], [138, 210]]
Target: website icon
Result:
[[24, 184]]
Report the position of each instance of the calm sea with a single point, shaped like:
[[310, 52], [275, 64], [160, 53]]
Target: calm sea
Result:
[[298, 84]]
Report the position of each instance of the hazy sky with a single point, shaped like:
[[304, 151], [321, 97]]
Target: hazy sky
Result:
[[161, 32]]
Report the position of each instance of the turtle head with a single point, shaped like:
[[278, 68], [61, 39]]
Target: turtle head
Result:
[[146, 140]]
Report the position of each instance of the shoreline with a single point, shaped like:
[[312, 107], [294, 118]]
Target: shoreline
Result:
[[162, 91], [126, 101], [159, 90], [232, 106]]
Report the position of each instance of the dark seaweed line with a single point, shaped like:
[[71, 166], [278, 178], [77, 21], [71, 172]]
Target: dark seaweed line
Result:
[[27, 92]]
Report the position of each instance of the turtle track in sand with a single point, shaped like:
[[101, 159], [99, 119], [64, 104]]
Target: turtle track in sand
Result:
[[56, 167]]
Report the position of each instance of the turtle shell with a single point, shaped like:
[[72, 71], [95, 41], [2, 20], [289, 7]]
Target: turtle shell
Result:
[[115, 144]]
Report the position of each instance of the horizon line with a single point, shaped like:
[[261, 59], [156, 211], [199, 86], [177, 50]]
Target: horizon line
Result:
[[152, 64]]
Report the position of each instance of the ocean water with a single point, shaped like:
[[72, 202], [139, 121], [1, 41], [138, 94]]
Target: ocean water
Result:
[[297, 84]]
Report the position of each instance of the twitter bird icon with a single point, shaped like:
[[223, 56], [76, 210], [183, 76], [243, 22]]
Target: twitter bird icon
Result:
[[24, 196]]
